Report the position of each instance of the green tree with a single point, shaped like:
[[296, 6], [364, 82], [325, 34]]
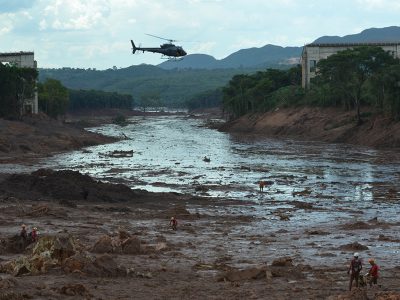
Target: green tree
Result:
[[53, 98], [150, 100], [348, 71]]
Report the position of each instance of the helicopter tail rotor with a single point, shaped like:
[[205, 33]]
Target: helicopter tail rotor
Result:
[[133, 47]]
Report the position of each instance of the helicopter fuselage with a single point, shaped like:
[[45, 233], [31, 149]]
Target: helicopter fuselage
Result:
[[170, 50]]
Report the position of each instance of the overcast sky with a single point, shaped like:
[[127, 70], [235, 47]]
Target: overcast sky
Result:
[[97, 33]]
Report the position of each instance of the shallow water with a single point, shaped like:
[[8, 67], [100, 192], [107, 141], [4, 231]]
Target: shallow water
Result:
[[169, 151]]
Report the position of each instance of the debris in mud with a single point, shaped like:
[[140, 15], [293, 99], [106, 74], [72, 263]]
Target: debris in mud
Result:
[[356, 225], [117, 154], [75, 289], [317, 232], [385, 238], [283, 217], [201, 188], [206, 159], [283, 262], [48, 252], [392, 194], [301, 205], [305, 192], [353, 247]]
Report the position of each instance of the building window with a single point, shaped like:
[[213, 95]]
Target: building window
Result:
[[313, 65]]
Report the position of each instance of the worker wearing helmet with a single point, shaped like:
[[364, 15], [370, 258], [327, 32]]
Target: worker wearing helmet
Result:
[[354, 270], [373, 272]]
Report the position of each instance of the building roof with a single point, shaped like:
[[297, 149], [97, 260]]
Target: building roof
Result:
[[353, 44], [16, 53]]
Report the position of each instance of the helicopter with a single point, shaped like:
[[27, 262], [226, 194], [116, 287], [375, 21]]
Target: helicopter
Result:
[[168, 50]]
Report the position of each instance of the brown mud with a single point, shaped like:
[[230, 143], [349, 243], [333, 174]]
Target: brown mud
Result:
[[320, 124], [104, 241], [39, 136]]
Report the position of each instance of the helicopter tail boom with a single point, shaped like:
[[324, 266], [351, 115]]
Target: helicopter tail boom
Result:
[[133, 47]]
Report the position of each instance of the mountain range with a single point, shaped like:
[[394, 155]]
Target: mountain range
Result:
[[271, 55]]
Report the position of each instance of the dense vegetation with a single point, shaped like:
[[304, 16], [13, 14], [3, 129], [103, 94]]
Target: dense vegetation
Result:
[[262, 91], [351, 78], [212, 98], [174, 87], [53, 98], [81, 99], [16, 84]]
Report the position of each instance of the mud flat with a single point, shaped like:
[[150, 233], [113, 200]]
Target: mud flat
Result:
[[105, 241]]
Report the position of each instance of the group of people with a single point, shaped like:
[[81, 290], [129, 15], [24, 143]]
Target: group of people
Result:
[[355, 268], [30, 237]]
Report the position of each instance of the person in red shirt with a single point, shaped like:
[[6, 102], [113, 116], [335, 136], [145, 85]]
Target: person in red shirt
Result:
[[173, 223], [34, 235], [373, 272]]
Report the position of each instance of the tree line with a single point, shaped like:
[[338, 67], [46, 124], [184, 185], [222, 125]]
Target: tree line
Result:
[[18, 84], [353, 78]]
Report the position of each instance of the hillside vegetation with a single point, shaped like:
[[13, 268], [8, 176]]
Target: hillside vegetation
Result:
[[174, 87], [363, 76]]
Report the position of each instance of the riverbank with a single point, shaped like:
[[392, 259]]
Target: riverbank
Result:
[[104, 241], [39, 136], [320, 124]]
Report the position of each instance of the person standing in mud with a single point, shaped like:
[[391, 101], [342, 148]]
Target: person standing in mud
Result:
[[373, 272], [173, 223], [355, 269], [24, 236], [261, 184], [34, 235]]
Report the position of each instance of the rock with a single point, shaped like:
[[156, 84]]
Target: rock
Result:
[[305, 192], [103, 245], [131, 245], [106, 266], [283, 262], [83, 263], [353, 247], [302, 205]]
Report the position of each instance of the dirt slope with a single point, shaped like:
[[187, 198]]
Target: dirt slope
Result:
[[320, 124], [40, 136]]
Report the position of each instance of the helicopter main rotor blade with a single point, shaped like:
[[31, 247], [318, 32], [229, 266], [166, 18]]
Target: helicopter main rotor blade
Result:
[[169, 40]]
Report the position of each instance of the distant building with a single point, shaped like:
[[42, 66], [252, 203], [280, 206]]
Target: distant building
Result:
[[313, 53], [23, 60]]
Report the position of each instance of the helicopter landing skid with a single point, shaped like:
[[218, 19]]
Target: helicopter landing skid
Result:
[[171, 58]]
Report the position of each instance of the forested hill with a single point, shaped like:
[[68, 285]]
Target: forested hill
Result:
[[387, 34], [173, 86]]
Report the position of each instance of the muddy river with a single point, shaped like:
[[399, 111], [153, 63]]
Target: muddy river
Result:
[[344, 184]]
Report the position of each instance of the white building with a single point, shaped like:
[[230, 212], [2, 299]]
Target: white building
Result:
[[313, 53], [23, 60]]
